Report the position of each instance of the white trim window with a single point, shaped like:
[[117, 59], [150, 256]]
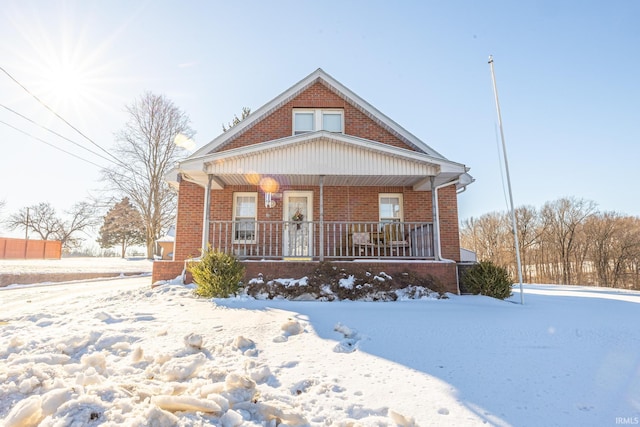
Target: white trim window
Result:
[[244, 217], [309, 120], [390, 207]]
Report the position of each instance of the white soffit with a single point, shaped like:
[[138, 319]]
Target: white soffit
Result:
[[322, 157], [322, 153]]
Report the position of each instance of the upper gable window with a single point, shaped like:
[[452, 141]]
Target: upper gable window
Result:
[[310, 120], [303, 121], [332, 121]]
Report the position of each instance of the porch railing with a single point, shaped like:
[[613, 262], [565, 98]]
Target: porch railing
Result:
[[323, 240]]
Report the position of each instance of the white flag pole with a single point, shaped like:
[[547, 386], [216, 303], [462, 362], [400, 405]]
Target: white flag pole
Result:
[[506, 166]]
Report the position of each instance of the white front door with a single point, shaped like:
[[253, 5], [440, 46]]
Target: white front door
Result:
[[298, 228]]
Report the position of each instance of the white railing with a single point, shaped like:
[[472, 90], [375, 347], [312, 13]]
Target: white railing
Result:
[[323, 240]]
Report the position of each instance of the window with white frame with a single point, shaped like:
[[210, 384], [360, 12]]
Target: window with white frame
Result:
[[244, 217], [390, 207], [310, 120], [303, 121]]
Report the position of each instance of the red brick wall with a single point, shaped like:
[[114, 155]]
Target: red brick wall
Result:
[[166, 270], [361, 203], [444, 272], [449, 231], [279, 123], [356, 204], [189, 221], [340, 203]]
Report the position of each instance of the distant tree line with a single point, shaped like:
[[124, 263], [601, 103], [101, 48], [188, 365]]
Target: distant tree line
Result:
[[567, 241]]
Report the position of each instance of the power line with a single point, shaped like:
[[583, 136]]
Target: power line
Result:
[[58, 135], [64, 151], [118, 162], [61, 149], [61, 118], [50, 145]]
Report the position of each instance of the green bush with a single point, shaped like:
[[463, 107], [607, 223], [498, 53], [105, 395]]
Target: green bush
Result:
[[486, 278], [216, 275]]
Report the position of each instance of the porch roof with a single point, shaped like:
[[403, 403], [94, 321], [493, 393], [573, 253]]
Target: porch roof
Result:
[[302, 159]]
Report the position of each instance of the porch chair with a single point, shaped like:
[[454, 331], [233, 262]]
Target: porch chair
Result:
[[395, 239], [360, 240]]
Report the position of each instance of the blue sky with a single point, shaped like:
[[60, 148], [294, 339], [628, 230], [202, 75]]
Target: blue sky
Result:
[[567, 75]]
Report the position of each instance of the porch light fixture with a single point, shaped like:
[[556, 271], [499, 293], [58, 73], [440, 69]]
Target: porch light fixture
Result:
[[269, 186], [268, 202]]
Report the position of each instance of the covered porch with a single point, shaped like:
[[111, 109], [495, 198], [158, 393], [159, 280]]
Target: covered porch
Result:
[[245, 201], [333, 181]]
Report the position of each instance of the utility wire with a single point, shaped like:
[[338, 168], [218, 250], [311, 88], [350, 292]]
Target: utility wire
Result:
[[62, 150], [61, 118], [58, 135], [51, 145]]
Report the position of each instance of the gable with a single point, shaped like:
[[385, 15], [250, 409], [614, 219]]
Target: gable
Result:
[[279, 127], [278, 124], [398, 157]]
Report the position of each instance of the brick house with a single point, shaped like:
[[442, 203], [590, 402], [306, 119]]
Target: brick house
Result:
[[318, 174]]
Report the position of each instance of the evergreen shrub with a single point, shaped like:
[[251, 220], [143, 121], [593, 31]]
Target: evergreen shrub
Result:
[[487, 278], [216, 275]]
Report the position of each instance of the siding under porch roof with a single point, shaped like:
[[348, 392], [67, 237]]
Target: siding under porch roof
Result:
[[341, 159]]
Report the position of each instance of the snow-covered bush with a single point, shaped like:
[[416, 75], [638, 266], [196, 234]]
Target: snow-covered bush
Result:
[[487, 278], [216, 275]]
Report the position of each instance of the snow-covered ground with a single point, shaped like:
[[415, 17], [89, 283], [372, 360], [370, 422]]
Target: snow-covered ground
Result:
[[76, 265], [121, 353]]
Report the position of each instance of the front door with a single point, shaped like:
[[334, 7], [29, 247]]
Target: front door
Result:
[[298, 228]]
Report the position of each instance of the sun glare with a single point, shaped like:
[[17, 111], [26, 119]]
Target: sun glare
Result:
[[65, 83], [61, 61], [70, 84], [183, 141]]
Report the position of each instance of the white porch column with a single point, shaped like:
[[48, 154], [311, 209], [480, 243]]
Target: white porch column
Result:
[[436, 218], [321, 217], [206, 215]]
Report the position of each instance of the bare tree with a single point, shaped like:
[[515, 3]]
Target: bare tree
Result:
[[562, 219], [40, 219], [566, 241], [488, 237], [530, 230], [629, 249], [147, 152], [603, 229], [616, 244], [81, 217], [634, 263], [580, 263], [43, 220]]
